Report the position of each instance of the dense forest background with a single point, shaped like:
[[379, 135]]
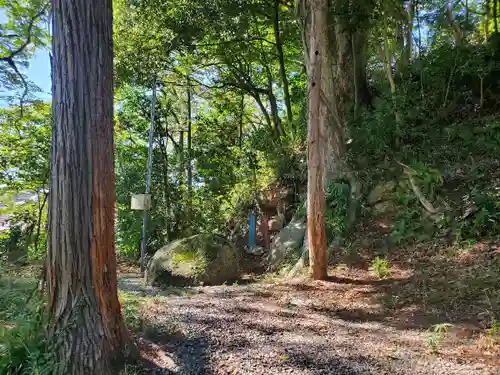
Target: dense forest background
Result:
[[418, 92], [231, 112]]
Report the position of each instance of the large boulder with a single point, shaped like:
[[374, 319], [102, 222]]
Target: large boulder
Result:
[[287, 242], [199, 259]]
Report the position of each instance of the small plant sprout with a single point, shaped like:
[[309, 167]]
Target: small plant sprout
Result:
[[381, 268], [436, 335]]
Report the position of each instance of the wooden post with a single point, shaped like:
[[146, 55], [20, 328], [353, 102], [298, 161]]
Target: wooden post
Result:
[[148, 176]]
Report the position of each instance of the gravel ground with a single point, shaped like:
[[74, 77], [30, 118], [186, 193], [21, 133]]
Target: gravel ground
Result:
[[289, 329]]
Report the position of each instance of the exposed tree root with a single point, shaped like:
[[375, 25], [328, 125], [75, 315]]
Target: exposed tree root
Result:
[[421, 197]]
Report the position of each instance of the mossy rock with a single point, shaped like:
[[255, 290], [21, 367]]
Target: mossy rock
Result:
[[199, 259], [381, 192]]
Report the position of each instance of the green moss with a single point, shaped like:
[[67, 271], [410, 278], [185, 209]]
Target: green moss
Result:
[[204, 258], [186, 256]]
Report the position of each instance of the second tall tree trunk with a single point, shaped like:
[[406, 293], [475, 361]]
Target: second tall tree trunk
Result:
[[317, 120]]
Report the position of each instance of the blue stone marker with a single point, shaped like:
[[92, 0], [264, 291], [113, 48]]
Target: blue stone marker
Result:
[[251, 233]]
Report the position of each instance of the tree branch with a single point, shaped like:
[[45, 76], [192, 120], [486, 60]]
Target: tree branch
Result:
[[242, 40], [13, 65], [422, 199], [23, 46], [427, 205], [176, 118], [176, 145], [9, 59], [9, 36]]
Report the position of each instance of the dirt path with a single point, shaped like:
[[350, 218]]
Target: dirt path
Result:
[[294, 328]]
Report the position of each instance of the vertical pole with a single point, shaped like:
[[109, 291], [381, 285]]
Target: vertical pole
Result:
[[251, 231], [148, 175], [189, 145]]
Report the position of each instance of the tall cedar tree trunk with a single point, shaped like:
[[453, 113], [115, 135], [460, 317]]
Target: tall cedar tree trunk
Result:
[[342, 55], [317, 122], [85, 324], [343, 79], [281, 57]]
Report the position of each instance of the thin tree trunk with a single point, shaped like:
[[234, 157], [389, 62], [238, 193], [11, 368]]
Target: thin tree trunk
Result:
[[417, 15], [355, 80], [242, 112], [182, 170], [466, 12], [360, 94], [274, 105], [85, 321], [495, 15], [39, 220], [281, 58], [189, 151], [388, 68], [455, 26], [318, 113], [399, 47], [409, 32], [421, 78], [390, 77], [263, 109], [166, 198], [487, 21]]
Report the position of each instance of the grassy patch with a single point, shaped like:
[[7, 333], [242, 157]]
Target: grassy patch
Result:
[[435, 336], [22, 335], [131, 309], [145, 316], [132, 370], [381, 268]]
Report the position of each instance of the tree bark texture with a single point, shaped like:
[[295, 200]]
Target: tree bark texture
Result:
[[189, 151], [85, 324], [343, 77], [317, 124], [335, 55]]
